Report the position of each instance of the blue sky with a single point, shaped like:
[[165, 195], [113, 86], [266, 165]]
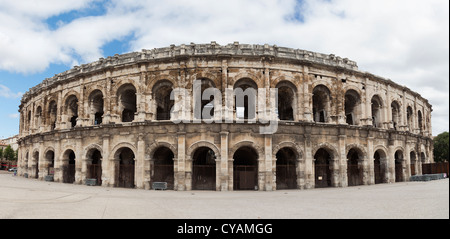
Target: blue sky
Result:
[[406, 41]]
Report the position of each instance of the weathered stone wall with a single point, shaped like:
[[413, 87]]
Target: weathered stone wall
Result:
[[113, 104]]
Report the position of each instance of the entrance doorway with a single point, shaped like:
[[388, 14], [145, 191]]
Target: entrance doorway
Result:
[[204, 169], [245, 169], [163, 166], [286, 177], [94, 167], [126, 168], [69, 167], [322, 169]]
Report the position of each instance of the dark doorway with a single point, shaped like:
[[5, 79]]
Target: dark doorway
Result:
[[126, 168], [50, 158], [245, 169], [204, 169], [95, 167], [322, 169], [286, 177], [163, 167], [379, 166], [399, 166], [354, 174], [69, 167]]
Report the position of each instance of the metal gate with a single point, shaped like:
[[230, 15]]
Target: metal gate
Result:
[[286, 177], [377, 173], [245, 177], [126, 176], [95, 171], [398, 172], [204, 177], [353, 175], [164, 173], [69, 173], [323, 175]]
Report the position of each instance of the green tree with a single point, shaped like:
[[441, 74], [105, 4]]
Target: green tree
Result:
[[441, 146], [8, 153], [1, 153]]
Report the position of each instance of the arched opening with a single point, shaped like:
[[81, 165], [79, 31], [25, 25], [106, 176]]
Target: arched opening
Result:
[[286, 100], [50, 161], [35, 165], [379, 164], [352, 107], [376, 105], [321, 103], [322, 168], [96, 106], [201, 105], [126, 168], [395, 108], [286, 170], [204, 169], [161, 94], [71, 110], [354, 168], [245, 98], [94, 165], [409, 117], [163, 166], [413, 160], [399, 177], [68, 166], [245, 169], [52, 111], [419, 119], [127, 102], [37, 117]]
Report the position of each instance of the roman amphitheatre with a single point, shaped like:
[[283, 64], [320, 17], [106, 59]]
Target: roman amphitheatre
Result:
[[119, 122]]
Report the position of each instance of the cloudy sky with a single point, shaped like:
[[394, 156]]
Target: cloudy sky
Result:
[[406, 41]]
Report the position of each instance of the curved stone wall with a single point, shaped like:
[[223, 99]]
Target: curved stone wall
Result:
[[115, 120]]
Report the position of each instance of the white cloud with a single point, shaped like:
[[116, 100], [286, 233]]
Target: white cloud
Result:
[[7, 93], [14, 116]]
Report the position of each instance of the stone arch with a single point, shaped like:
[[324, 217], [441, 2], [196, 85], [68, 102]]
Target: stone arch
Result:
[[199, 144], [160, 78], [246, 75], [96, 104], [89, 148], [380, 164], [157, 144], [64, 150], [377, 105], [287, 144], [245, 98], [115, 151], [287, 100], [259, 150], [352, 106], [162, 104], [71, 109], [206, 75], [321, 103], [127, 101], [69, 94], [396, 113], [361, 150], [328, 147], [356, 156], [291, 79]]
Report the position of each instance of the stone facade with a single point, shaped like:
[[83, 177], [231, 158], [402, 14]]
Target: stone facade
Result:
[[113, 120]]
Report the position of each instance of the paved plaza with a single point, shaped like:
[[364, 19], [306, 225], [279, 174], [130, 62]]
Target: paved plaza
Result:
[[31, 198]]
